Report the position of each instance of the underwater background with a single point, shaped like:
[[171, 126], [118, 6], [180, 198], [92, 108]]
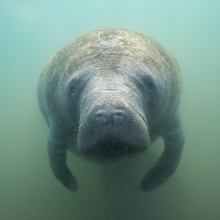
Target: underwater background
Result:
[[31, 32]]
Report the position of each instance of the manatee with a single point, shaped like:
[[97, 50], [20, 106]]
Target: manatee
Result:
[[109, 94]]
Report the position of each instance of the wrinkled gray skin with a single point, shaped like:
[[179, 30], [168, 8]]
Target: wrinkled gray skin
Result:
[[108, 94]]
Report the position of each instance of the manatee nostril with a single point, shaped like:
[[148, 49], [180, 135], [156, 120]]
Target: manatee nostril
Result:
[[117, 118], [101, 120]]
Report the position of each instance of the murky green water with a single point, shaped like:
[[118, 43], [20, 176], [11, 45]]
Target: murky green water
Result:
[[31, 32]]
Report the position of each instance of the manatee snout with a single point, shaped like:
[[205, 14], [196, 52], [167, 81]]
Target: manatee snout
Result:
[[111, 128]]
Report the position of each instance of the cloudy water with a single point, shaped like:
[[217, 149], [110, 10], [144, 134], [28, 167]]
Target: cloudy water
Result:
[[31, 32]]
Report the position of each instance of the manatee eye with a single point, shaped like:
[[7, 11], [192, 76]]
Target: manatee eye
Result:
[[151, 86], [72, 90], [149, 83]]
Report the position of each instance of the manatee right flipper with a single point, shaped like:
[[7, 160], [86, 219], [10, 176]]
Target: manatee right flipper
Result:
[[173, 136], [57, 156]]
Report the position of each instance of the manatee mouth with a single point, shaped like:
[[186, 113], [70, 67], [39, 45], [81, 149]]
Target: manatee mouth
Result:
[[112, 147]]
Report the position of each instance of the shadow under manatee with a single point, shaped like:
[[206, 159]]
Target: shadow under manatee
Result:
[[122, 179]]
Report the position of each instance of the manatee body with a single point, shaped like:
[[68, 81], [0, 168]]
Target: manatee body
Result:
[[108, 94]]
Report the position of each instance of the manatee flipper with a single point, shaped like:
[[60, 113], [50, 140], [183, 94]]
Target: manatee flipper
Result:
[[170, 158], [57, 156]]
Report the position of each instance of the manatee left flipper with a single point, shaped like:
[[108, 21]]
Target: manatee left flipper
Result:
[[170, 158], [57, 156]]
